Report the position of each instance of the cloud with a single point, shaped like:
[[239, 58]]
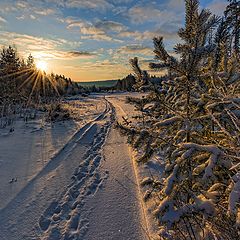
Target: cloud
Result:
[[120, 10], [165, 19], [61, 55], [98, 5], [135, 49], [110, 26], [44, 12], [149, 35], [22, 4], [99, 37], [28, 41], [43, 48], [26, 9], [100, 70], [116, 22], [64, 55], [60, 3], [80, 54], [85, 28], [99, 27], [22, 17], [99, 64], [97, 70], [2, 20], [6, 7], [141, 14], [96, 31], [156, 12]]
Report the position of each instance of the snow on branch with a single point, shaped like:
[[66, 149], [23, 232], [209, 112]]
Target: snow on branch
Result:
[[168, 121]]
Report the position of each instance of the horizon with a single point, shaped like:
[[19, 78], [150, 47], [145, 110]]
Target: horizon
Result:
[[105, 80], [92, 40]]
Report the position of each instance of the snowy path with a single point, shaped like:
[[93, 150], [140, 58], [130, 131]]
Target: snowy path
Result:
[[97, 199], [115, 210]]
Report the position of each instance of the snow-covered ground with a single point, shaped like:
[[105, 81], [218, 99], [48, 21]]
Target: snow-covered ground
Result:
[[71, 180], [153, 169], [24, 152]]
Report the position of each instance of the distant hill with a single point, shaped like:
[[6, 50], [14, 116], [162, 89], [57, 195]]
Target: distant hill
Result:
[[105, 83]]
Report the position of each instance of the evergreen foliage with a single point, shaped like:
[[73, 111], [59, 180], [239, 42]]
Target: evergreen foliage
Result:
[[142, 77], [126, 84], [193, 122], [232, 16], [30, 62], [24, 88], [21, 81]]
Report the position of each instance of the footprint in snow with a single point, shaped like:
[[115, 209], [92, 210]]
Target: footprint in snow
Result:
[[13, 180]]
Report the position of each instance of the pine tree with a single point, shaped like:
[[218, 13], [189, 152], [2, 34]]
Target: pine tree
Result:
[[194, 124], [142, 77], [10, 65], [30, 62], [9, 62], [232, 15]]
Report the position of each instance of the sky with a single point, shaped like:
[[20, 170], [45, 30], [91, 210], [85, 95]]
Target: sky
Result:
[[91, 40]]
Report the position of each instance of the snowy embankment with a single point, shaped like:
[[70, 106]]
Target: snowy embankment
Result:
[[78, 184], [153, 169], [25, 151]]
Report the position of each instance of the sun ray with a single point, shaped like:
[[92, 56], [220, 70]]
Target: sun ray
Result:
[[23, 75], [43, 86], [33, 88], [15, 73], [53, 85], [26, 80]]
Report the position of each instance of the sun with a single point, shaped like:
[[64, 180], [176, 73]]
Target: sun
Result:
[[41, 65]]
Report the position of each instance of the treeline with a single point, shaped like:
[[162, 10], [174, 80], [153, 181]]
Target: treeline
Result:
[[130, 83], [192, 123], [22, 82]]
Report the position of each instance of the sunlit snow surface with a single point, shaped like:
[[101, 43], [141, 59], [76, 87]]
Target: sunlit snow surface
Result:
[[73, 179], [26, 150]]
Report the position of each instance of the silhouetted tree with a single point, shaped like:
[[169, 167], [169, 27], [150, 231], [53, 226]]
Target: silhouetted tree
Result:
[[30, 62]]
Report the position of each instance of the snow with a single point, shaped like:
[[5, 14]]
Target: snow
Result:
[[211, 162], [234, 197], [153, 169], [24, 152], [116, 206], [75, 179], [170, 180], [169, 121], [206, 206], [206, 157], [78, 179]]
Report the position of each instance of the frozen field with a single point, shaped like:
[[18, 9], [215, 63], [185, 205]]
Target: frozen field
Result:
[[71, 180]]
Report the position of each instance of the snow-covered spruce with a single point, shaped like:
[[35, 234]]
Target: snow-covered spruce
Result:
[[192, 120]]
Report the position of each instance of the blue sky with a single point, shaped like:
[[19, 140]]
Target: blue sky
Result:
[[92, 39]]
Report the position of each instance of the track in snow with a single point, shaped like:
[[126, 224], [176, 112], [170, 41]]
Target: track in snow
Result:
[[51, 183], [57, 203], [64, 219]]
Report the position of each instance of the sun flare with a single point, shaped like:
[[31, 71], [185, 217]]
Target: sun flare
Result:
[[41, 65]]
